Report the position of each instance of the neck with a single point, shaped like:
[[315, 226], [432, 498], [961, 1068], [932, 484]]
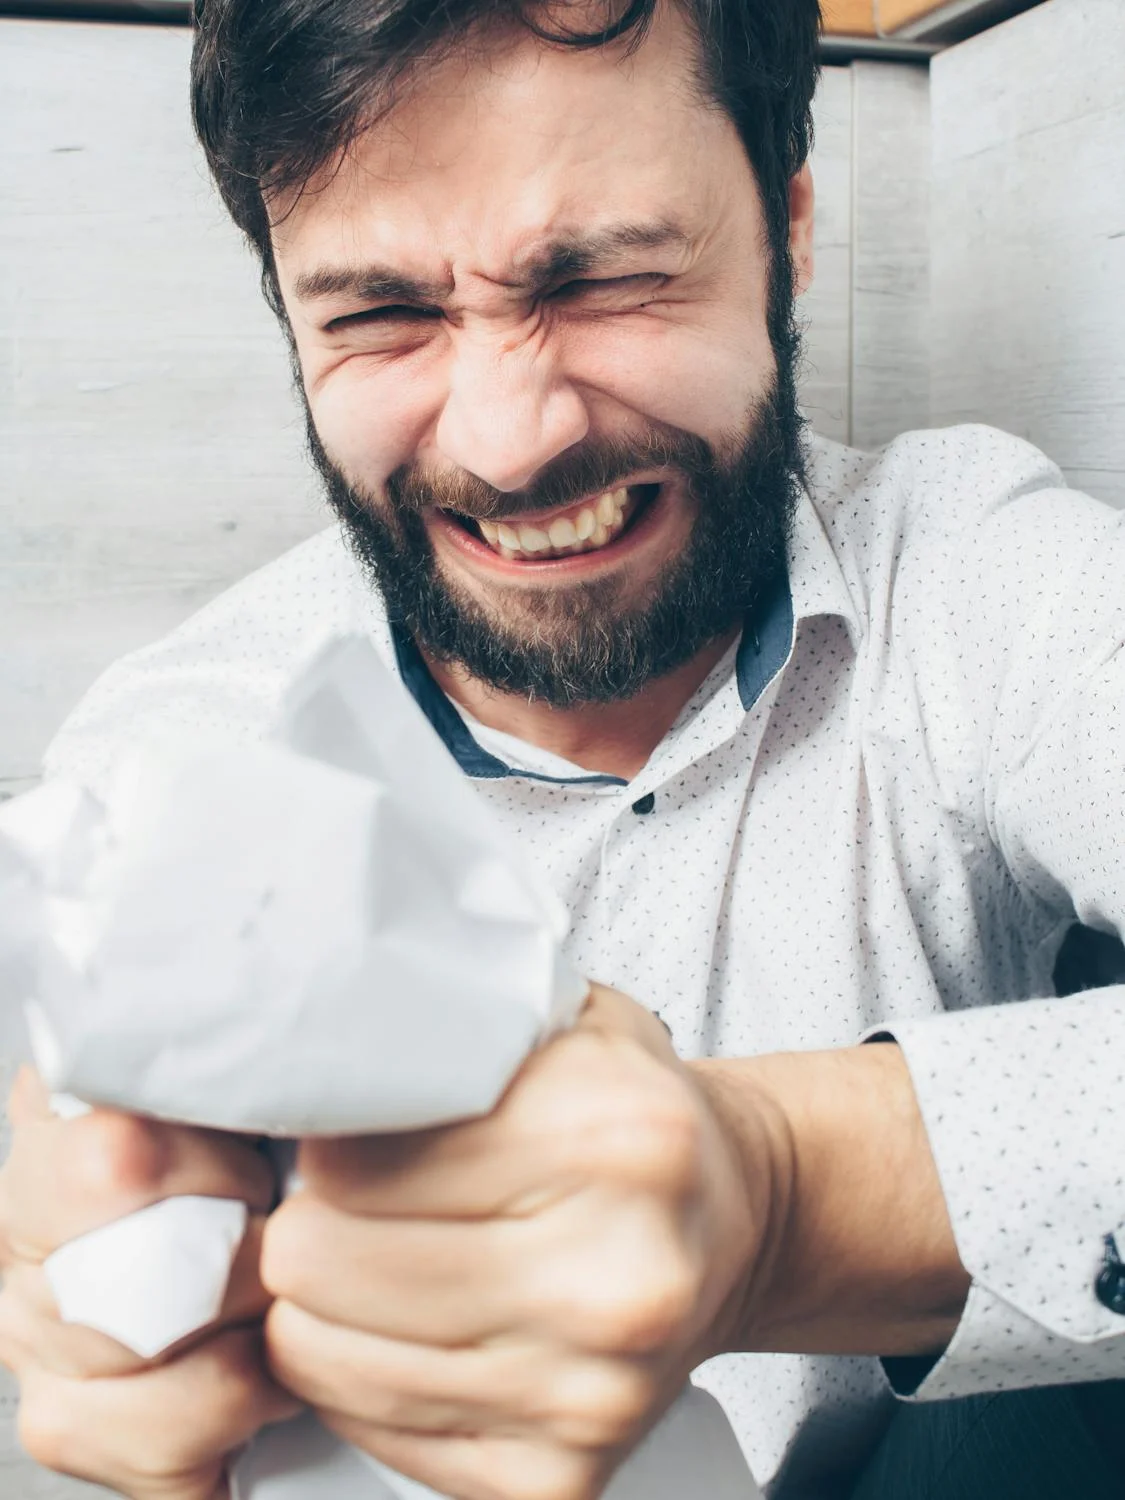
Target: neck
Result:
[[611, 739]]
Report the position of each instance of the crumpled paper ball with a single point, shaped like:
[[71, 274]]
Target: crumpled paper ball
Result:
[[322, 933]]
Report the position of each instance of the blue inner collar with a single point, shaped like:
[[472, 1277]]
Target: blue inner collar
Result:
[[766, 639]]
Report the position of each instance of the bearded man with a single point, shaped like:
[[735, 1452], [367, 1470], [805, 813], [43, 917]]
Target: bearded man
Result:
[[820, 749]]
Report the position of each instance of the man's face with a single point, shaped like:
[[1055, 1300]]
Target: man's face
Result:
[[530, 313]]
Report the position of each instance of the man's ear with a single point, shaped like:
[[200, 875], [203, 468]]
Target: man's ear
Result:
[[802, 202]]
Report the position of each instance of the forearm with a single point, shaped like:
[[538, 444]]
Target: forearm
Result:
[[860, 1256]]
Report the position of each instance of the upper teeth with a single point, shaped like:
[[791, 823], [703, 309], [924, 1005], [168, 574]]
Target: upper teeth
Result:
[[596, 523]]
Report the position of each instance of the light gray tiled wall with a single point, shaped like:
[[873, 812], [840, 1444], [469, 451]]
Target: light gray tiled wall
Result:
[[1029, 235]]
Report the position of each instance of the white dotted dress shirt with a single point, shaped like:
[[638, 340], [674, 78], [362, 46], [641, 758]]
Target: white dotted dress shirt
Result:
[[880, 813]]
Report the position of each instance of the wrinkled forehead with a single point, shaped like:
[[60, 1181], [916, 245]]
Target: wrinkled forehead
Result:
[[510, 142]]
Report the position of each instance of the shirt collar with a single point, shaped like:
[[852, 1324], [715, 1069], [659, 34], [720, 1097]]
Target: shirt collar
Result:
[[816, 580], [813, 585]]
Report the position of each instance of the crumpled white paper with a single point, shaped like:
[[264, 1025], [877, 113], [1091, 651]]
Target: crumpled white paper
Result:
[[154, 1277], [320, 934], [323, 933]]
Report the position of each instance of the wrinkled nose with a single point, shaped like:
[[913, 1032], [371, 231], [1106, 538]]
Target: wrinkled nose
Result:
[[507, 414]]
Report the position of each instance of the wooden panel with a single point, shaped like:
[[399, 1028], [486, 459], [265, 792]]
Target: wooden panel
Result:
[[150, 450], [826, 307], [894, 13], [943, 20], [848, 17], [1029, 251], [891, 258]]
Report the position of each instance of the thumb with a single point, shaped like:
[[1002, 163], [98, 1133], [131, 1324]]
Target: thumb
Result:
[[612, 1013]]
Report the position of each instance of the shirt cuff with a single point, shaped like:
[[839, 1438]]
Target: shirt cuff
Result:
[[998, 1348], [1024, 1106]]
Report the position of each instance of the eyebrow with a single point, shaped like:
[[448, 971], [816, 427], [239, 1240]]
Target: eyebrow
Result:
[[562, 259]]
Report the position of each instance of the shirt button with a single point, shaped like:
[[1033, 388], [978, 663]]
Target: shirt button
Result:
[[644, 805]]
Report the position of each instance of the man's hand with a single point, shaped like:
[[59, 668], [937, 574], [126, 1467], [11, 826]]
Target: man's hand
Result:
[[501, 1309], [152, 1430]]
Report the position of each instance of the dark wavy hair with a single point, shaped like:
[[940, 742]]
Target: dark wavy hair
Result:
[[281, 87]]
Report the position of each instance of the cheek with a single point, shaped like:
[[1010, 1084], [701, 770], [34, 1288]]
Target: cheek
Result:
[[369, 417], [703, 380]]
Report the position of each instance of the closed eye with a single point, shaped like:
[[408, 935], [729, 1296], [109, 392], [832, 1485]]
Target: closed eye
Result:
[[626, 291], [394, 313]]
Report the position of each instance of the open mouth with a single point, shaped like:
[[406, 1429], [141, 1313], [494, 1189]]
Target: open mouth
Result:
[[587, 526]]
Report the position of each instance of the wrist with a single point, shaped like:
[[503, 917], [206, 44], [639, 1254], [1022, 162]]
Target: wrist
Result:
[[857, 1253], [759, 1142]]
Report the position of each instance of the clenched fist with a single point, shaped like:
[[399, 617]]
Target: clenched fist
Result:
[[152, 1430], [501, 1309]]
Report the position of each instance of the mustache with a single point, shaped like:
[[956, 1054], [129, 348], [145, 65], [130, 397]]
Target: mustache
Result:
[[586, 469]]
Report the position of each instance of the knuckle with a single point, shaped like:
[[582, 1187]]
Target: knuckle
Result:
[[156, 1462], [285, 1344], [667, 1147], [17, 1325], [653, 1139], [399, 1410], [166, 1434], [603, 1407], [289, 1248], [116, 1158], [28, 1099], [44, 1429], [224, 1407], [622, 1405], [653, 1315]]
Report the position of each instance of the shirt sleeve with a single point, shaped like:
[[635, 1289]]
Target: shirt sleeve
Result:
[[1024, 1103]]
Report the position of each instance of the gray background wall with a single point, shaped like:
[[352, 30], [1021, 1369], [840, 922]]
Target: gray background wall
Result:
[[971, 265], [1028, 235], [149, 450]]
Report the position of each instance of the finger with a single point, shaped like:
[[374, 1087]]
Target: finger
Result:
[[474, 1169], [610, 1012], [482, 1468], [29, 1099], [32, 1334], [386, 1381], [164, 1431], [64, 1178], [571, 1112], [510, 1388], [427, 1281]]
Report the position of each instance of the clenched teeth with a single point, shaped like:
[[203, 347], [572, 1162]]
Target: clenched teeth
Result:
[[593, 526]]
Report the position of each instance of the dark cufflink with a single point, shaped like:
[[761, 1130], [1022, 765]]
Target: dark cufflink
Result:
[[1110, 1285]]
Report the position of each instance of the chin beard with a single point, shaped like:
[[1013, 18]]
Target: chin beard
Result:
[[568, 646]]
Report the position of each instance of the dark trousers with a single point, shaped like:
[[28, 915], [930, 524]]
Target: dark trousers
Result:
[[1061, 1443]]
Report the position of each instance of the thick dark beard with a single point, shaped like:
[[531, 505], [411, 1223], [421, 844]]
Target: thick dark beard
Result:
[[580, 645]]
